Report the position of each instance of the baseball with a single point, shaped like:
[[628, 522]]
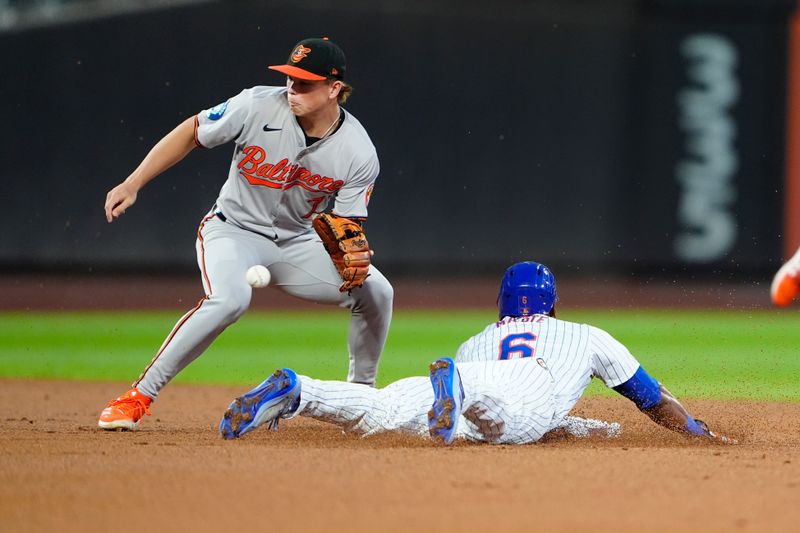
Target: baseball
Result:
[[258, 276]]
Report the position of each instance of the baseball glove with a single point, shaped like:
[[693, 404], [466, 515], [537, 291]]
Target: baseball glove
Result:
[[348, 247]]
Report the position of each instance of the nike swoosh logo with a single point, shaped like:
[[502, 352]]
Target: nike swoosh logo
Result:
[[267, 128]]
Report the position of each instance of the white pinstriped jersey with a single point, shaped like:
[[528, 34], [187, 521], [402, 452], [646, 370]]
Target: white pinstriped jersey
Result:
[[510, 402], [572, 353], [521, 376]]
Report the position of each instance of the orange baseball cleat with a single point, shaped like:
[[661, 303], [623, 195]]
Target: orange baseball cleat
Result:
[[786, 283], [126, 411]]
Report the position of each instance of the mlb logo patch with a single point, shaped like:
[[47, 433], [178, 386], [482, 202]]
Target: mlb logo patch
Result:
[[216, 112]]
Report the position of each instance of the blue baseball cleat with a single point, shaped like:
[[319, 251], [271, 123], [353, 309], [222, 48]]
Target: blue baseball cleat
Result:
[[448, 397], [277, 397]]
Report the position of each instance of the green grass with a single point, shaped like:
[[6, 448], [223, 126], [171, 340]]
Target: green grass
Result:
[[711, 354]]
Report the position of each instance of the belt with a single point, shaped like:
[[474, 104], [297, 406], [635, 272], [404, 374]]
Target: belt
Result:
[[223, 218]]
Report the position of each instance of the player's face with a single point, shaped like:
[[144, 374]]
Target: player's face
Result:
[[306, 97]]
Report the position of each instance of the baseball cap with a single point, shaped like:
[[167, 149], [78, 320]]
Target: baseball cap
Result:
[[314, 59]]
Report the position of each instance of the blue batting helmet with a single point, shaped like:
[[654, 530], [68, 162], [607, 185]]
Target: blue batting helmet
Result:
[[527, 288]]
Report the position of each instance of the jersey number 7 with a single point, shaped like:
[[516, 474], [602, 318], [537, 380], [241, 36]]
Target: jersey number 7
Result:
[[517, 345]]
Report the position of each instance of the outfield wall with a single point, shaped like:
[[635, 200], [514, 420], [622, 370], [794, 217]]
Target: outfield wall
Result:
[[619, 136]]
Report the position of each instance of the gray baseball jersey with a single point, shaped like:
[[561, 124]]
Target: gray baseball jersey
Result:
[[276, 184]]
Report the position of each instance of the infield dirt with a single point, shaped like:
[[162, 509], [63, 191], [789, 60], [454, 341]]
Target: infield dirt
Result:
[[59, 473]]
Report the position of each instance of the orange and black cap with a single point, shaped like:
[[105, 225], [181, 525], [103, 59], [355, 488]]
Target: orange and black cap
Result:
[[314, 59]]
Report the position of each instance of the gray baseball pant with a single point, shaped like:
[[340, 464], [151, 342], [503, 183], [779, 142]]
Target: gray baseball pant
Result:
[[299, 266]]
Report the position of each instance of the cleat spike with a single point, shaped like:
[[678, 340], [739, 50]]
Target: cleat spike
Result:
[[276, 397]]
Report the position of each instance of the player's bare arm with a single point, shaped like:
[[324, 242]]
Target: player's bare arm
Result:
[[654, 400], [168, 151], [672, 415]]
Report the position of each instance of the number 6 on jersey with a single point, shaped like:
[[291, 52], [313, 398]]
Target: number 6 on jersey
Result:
[[517, 346]]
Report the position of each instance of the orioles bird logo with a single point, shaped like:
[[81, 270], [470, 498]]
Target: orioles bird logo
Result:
[[301, 52]]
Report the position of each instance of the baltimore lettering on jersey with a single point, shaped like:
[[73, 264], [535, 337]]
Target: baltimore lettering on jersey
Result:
[[282, 175]]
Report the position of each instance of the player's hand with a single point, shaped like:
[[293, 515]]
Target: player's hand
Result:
[[719, 439], [119, 199], [722, 439]]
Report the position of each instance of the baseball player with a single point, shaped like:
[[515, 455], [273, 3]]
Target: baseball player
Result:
[[295, 151], [513, 383], [786, 283]]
